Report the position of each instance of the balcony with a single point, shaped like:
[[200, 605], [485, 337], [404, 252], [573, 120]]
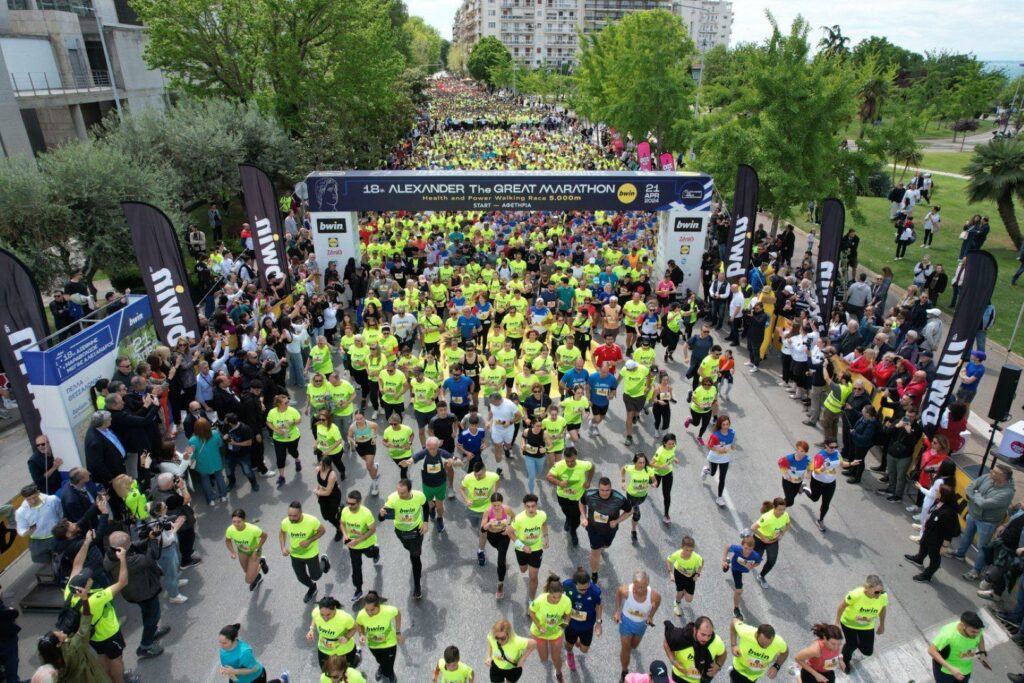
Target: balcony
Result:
[[36, 84]]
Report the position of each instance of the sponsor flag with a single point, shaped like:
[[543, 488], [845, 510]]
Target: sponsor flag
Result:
[[162, 268], [668, 163], [980, 273], [643, 153], [265, 220], [23, 323], [833, 218], [744, 215]]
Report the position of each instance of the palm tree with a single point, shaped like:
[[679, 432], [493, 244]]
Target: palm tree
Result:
[[834, 44], [875, 87], [997, 174]]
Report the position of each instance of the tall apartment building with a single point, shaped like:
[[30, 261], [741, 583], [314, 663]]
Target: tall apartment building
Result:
[[69, 63], [539, 32]]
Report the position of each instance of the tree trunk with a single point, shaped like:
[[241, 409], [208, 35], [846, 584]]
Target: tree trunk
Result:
[[1004, 204]]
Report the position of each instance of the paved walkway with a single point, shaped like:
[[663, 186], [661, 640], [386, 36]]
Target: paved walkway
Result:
[[946, 174], [948, 145]]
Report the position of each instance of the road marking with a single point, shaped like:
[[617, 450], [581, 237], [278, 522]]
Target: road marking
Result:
[[909, 660]]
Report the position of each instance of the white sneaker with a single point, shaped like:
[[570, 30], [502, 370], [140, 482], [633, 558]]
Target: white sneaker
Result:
[[720, 501], [223, 499], [913, 508], [269, 473], [182, 582], [451, 493], [677, 610], [748, 363], [916, 526], [705, 472], [754, 369], [915, 539], [374, 488], [178, 599]]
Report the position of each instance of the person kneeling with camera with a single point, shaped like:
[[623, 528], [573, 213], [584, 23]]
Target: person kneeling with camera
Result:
[[144, 576]]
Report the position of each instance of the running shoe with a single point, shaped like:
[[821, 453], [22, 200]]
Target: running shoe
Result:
[[500, 473], [821, 526], [480, 559], [686, 423], [451, 494], [763, 582], [298, 465], [357, 596], [666, 519], [570, 659], [285, 677], [440, 525], [192, 563], [806, 489], [325, 564], [700, 440], [500, 592], [433, 514], [264, 566], [737, 613], [255, 583], [913, 560], [971, 575], [754, 369], [629, 439], [280, 482], [310, 594], [269, 473], [677, 609], [374, 488], [987, 594], [922, 578], [748, 363], [180, 598], [417, 594], [705, 471], [632, 537], [915, 525], [913, 508]]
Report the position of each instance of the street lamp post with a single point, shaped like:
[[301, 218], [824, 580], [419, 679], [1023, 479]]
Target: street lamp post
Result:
[[703, 47]]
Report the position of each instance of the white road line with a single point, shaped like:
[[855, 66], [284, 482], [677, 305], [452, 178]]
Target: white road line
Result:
[[909, 660]]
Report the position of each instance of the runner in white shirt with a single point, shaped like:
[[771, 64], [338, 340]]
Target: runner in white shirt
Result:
[[501, 422]]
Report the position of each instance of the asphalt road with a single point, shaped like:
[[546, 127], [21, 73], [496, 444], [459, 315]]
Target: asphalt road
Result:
[[866, 536]]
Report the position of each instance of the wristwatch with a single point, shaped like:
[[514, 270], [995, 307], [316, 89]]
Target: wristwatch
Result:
[[600, 621]]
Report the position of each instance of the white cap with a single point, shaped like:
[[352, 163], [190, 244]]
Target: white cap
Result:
[[631, 364], [934, 312]]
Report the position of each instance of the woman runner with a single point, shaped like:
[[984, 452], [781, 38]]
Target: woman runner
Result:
[[245, 543], [825, 468], [662, 463], [636, 479], [768, 530], [237, 661], [536, 441], [495, 523], [550, 613], [529, 535], [362, 435], [819, 660], [334, 630], [740, 559], [794, 469], [327, 493], [861, 615], [506, 652], [662, 404], [635, 605], [720, 445], [703, 404], [283, 422], [337, 670], [684, 568]]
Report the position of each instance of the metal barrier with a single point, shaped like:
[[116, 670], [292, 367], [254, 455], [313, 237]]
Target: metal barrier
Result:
[[41, 83]]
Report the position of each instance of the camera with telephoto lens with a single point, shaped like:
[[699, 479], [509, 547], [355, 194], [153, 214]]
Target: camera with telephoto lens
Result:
[[162, 523]]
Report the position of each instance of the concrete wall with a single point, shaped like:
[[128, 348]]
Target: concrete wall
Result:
[[12, 129], [54, 26], [57, 124], [126, 46]]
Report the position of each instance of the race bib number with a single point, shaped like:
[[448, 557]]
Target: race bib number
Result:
[[602, 391], [599, 518], [407, 517], [457, 400], [434, 468], [577, 615]]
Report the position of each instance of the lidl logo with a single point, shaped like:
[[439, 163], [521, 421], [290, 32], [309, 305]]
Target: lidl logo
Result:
[[332, 242], [627, 193], [179, 289]]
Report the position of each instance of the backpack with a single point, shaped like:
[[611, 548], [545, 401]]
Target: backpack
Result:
[[69, 619], [60, 565]]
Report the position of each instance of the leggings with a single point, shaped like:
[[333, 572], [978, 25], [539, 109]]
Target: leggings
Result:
[[307, 571], [662, 413], [505, 675], [534, 469], [933, 550], [665, 483], [499, 542], [571, 510], [362, 380], [857, 639], [282, 449], [671, 341], [385, 657], [825, 491], [928, 234], [722, 469], [771, 550], [703, 419], [787, 368], [791, 489]]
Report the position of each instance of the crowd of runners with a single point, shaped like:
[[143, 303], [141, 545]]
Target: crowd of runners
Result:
[[471, 349]]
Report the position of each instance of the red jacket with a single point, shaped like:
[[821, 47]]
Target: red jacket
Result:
[[929, 458]]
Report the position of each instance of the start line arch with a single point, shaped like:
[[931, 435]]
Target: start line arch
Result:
[[682, 200]]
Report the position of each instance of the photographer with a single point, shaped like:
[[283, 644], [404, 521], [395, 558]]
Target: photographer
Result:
[[170, 558], [69, 538], [170, 489], [143, 586], [902, 439], [101, 625]]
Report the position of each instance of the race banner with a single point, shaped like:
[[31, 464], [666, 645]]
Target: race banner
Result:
[[643, 154], [744, 215], [341, 191], [264, 218], [162, 268], [833, 219], [23, 322], [668, 163], [980, 273]]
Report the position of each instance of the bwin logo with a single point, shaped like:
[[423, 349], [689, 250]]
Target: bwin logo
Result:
[[825, 275], [167, 294], [265, 243], [736, 249], [943, 382]]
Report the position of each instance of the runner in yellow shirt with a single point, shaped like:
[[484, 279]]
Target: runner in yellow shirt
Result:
[[245, 543]]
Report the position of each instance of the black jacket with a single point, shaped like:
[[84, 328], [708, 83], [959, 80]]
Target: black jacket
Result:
[[189, 424], [102, 458], [8, 628], [78, 508], [37, 466], [143, 571], [901, 442], [943, 524], [224, 401], [252, 413], [137, 432]]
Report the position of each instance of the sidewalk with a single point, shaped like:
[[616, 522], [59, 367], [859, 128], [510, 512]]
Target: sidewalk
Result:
[[997, 356]]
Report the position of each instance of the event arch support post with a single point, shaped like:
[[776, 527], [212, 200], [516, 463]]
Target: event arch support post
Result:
[[683, 201]]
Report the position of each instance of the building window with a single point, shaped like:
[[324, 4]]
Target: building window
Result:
[[490, 24]]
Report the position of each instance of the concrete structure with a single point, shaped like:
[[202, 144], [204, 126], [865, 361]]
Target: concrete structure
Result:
[[708, 21], [69, 63], [546, 32]]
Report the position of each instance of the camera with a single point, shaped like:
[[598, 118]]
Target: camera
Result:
[[162, 523]]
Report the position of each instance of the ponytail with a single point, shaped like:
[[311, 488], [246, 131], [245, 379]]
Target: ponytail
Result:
[[231, 631]]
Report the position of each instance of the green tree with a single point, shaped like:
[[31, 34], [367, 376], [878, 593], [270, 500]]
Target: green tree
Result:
[[996, 173], [635, 76], [286, 55], [834, 44], [909, 64], [425, 45], [32, 224], [488, 60], [875, 85], [788, 121], [456, 60]]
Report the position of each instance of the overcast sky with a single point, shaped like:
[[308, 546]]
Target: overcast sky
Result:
[[991, 29]]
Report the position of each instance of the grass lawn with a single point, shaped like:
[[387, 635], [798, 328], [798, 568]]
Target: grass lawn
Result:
[[942, 131], [877, 248], [949, 162]]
